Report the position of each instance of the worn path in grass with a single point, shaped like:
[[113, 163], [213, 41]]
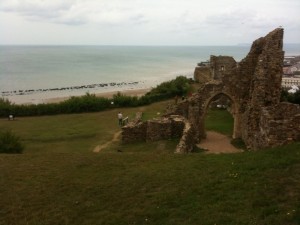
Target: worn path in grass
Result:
[[116, 136], [217, 143]]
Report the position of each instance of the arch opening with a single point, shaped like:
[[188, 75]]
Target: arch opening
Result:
[[219, 114], [224, 106]]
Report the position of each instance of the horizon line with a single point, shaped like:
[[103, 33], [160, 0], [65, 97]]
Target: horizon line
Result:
[[119, 45]]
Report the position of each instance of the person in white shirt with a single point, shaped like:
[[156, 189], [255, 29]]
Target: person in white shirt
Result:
[[120, 118]]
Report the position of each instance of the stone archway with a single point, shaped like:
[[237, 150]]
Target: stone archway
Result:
[[232, 110], [200, 101]]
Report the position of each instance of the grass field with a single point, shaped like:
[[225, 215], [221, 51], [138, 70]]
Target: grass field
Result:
[[58, 180]]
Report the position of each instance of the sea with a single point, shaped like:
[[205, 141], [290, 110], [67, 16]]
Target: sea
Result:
[[33, 74]]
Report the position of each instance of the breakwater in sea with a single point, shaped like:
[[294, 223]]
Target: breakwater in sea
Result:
[[81, 87]]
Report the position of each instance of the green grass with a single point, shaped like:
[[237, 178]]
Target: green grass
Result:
[[73, 133], [58, 180], [220, 121], [144, 188]]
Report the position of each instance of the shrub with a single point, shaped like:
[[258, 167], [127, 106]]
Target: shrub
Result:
[[5, 107], [290, 97], [10, 143], [121, 100], [179, 86]]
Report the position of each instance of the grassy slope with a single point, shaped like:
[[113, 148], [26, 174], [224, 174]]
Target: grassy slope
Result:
[[72, 133], [58, 180]]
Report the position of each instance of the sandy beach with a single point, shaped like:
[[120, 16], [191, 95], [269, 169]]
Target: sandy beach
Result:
[[32, 100], [137, 92]]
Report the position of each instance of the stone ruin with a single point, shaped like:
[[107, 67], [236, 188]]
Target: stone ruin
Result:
[[254, 88], [173, 126]]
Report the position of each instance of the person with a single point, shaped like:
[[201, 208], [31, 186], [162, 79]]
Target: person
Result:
[[120, 118]]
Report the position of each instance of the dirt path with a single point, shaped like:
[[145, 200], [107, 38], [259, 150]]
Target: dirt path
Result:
[[217, 143], [116, 136]]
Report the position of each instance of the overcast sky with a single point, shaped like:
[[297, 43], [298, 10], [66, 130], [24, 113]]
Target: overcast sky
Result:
[[146, 22]]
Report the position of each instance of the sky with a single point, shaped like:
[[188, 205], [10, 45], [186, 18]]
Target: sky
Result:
[[145, 22]]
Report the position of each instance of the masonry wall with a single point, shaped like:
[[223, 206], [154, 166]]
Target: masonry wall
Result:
[[264, 64], [202, 74], [161, 129], [279, 125], [220, 64], [134, 131]]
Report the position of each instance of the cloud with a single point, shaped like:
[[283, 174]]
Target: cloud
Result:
[[74, 12], [155, 21]]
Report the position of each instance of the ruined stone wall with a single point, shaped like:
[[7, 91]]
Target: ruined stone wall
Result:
[[161, 129], [279, 125], [265, 59], [187, 141], [134, 131], [202, 74], [215, 70], [220, 65], [253, 86]]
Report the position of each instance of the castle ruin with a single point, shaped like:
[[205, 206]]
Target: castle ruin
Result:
[[253, 86]]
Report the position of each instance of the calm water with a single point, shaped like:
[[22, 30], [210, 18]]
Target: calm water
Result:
[[33, 73]]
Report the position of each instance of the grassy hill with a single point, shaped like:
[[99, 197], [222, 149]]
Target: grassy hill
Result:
[[59, 180]]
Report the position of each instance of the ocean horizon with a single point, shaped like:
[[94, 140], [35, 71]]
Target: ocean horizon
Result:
[[38, 72]]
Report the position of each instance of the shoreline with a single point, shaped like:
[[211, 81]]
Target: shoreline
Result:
[[109, 94], [47, 99]]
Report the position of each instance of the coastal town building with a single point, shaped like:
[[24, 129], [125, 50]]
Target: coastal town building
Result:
[[288, 82]]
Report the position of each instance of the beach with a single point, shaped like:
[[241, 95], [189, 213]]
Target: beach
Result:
[[45, 98], [110, 94]]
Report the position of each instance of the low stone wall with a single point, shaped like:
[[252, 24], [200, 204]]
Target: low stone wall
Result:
[[279, 125], [177, 126], [187, 141], [161, 129], [134, 131]]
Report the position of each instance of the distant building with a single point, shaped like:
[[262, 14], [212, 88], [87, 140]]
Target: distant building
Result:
[[290, 81]]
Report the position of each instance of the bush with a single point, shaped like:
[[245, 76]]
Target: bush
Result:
[[10, 143], [121, 100], [5, 107], [180, 86], [290, 97]]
